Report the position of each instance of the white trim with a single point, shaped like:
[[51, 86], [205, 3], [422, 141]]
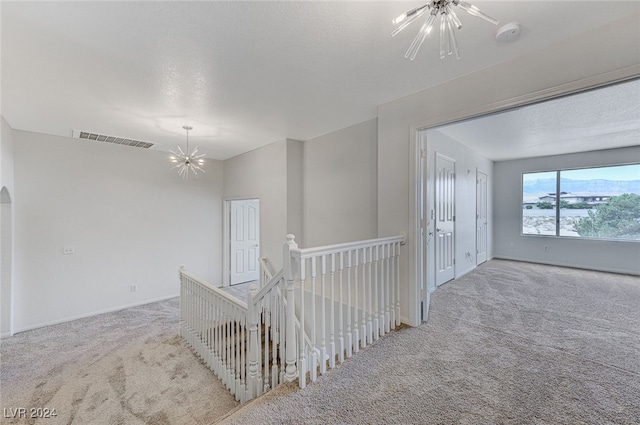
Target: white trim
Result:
[[413, 238], [96, 313], [588, 83], [570, 265]]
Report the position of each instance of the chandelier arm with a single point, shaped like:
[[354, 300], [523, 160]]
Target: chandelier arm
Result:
[[473, 10], [421, 36], [454, 18], [409, 21], [452, 37]]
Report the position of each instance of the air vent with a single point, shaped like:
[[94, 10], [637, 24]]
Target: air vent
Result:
[[77, 134]]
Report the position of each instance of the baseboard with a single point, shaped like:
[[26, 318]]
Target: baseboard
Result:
[[95, 313], [5, 335], [571, 265]]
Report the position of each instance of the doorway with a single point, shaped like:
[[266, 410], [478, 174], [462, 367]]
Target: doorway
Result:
[[243, 234]]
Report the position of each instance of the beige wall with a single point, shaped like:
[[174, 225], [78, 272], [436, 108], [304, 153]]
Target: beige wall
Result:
[[340, 185]]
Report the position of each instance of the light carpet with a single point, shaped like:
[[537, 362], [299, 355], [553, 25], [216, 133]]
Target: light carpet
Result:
[[126, 367], [509, 343]]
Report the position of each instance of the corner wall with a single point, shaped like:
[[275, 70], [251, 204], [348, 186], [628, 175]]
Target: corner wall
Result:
[[272, 174], [130, 219], [615, 256]]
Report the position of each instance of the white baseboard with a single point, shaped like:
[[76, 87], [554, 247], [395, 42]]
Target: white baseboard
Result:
[[5, 335], [94, 313], [574, 266]]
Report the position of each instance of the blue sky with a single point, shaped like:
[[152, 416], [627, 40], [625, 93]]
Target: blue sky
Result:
[[621, 172]]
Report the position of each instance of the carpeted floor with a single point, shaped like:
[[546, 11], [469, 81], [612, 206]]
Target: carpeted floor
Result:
[[509, 343], [127, 367]]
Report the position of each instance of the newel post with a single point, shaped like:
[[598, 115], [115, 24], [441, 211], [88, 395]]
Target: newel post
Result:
[[289, 268], [252, 317]]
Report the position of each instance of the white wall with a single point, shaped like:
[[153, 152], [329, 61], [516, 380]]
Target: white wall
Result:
[[595, 57], [6, 227], [617, 256], [131, 220], [340, 185], [467, 162]]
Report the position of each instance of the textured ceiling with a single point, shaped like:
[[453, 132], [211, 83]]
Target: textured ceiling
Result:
[[243, 74], [608, 117]]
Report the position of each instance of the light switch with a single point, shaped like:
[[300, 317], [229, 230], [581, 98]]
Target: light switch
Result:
[[68, 250]]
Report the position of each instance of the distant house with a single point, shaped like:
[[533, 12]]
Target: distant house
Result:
[[573, 198]]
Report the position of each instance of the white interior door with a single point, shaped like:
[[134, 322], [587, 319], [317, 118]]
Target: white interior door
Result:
[[444, 219], [481, 217], [244, 240]]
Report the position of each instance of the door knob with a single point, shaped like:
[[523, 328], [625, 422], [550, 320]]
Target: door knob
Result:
[[438, 229]]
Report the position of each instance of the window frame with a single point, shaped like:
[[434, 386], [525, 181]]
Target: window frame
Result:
[[557, 206]]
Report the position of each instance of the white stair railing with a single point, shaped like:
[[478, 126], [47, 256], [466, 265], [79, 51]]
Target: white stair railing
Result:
[[349, 296], [324, 305], [214, 324]]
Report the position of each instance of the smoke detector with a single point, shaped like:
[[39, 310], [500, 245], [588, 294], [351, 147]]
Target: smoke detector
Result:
[[508, 32]]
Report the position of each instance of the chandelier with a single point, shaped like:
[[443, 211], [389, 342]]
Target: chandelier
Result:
[[187, 162], [448, 20]]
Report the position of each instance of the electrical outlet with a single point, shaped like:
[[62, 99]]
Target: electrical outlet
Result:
[[546, 248], [68, 250], [133, 288]]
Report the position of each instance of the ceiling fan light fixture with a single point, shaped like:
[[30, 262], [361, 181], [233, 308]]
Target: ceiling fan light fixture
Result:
[[186, 162]]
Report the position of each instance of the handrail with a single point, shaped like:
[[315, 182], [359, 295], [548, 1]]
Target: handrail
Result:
[[228, 297], [266, 267], [347, 246], [267, 287]]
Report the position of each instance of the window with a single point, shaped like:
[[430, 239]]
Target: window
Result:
[[601, 203]]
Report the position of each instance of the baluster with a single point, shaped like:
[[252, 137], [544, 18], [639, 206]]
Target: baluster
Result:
[[349, 345], [232, 346], [313, 320], [381, 285], [302, 366], [340, 309], [396, 260], [376, 293], [208, 330], [283, 331], [356, 323], [332, 321], [323, 319], [366, 303], [267, 330], [275, 335], [254, 355], [387, 313], [243, 352], [366, 268]]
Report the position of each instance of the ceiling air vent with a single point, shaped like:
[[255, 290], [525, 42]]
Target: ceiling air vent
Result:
[[77, 134]]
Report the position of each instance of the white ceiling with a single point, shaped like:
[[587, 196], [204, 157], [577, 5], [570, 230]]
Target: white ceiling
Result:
[[243, 74], [603, 118]]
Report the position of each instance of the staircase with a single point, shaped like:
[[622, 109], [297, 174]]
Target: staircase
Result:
[[323, 306]]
